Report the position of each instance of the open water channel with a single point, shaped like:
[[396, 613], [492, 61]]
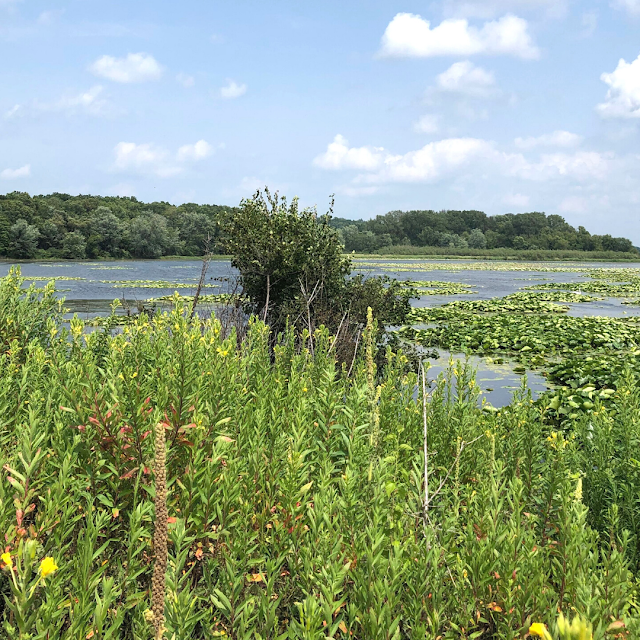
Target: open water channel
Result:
[[90, 287]]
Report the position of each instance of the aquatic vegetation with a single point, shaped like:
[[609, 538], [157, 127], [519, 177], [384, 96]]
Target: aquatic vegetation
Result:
[[213, 298], [519, 302], [608, 289], [405, 265], [528, 337], [155, 284], [515, 303], [49, 278], [108, 268], [438, 287]]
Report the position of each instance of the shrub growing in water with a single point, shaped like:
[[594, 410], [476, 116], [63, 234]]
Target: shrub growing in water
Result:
[[294, 274]]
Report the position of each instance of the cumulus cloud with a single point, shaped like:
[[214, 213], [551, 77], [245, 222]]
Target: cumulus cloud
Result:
[[143, 158], [12, 174], [340, 156], [631, 6], [434, 161], [580, 166], [233, 90], [151, 159], [467, 79], [410, 36], [455, 157], [554, 139], [197, 151], [136, 67], [623, 97], [185, 80], [428, 123]]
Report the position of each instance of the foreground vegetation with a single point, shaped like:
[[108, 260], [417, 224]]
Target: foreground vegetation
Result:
[[296, 501]]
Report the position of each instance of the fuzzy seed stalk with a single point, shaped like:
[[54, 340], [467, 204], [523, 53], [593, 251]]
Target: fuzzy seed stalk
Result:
[[160, 533]]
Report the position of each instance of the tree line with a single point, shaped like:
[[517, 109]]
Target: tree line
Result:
[[472, 229], [64, 226]]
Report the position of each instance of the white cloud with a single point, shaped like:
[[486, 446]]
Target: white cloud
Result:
[[340, 156], [233, 90], [516, 200], [151, 159], [12, 174], [465, 78], [88, 101], [555, 139], [13, 112], [452, 157], [144, 158], [428, 123], [623, 97], [580, 166], [492, 8], [433, 161], [197, 151], [409, 35], [136, 67], [632, 6], [185, 80]]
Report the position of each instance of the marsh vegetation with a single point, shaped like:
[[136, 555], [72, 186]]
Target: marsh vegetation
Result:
[[174, 475]]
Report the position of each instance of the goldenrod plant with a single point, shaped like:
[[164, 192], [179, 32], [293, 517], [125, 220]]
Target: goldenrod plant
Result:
[[285, 518], [577, 629]]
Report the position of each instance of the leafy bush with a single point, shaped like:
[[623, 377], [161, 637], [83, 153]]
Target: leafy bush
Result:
[[26, 315], [294, 274]]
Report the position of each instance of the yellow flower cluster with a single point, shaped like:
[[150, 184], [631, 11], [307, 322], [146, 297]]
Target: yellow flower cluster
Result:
[[47, 567]]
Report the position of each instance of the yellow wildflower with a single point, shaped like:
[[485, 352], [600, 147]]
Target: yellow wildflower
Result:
[[6, 558], [540, 630], [48, 566]]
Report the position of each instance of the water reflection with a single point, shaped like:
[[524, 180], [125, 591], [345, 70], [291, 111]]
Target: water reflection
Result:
[[498, 378]]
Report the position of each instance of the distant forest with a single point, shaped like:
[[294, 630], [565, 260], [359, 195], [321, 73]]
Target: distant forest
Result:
[[64, 226], [474, 230]]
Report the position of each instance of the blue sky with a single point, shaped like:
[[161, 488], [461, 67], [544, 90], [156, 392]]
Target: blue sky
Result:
[[497, 105]]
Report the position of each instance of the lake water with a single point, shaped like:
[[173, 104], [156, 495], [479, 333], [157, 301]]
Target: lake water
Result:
[[97, 287]]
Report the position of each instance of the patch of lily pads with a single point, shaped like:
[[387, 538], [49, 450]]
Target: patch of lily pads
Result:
[[439, 287], [155, 284]]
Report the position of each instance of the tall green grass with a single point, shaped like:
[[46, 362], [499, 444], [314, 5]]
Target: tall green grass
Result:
[[295, 493]]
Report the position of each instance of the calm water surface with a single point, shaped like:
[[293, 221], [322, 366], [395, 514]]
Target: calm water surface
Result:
[[93, 294]]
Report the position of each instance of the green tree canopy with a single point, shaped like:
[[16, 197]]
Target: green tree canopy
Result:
[[24, 239]]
